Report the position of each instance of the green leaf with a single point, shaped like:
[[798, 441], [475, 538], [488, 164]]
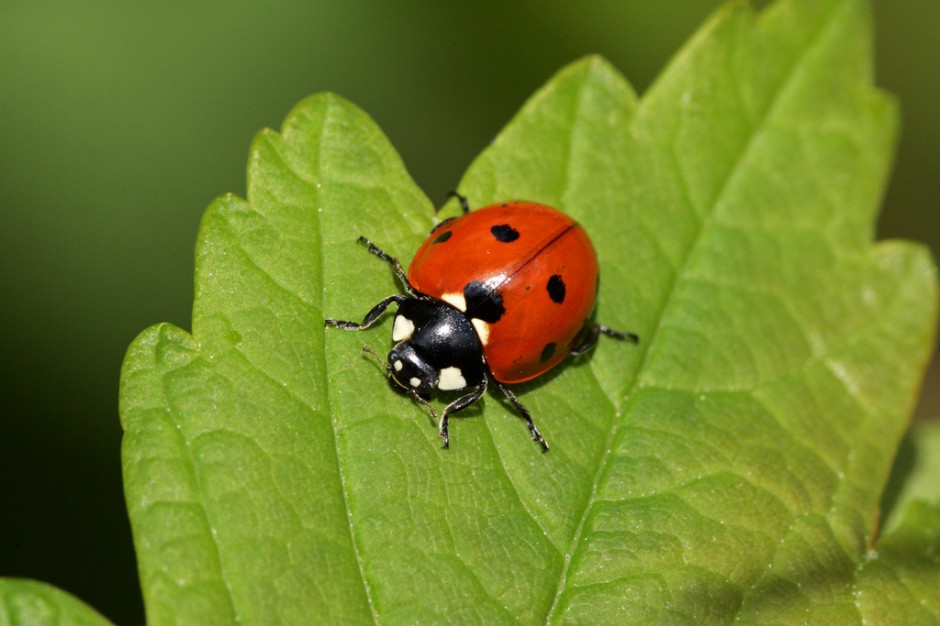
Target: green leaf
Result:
[[31, 603], [898, 582], [728, 467], [916, 474]]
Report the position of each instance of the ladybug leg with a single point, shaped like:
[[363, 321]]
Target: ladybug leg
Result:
[[536, 435], [590, 335], [371, 317], [396, 265], [464, 205], [457, 405], [616, 334]]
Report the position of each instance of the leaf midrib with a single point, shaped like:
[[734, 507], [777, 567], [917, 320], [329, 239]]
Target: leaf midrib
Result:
[[327, 118], [668, 302]]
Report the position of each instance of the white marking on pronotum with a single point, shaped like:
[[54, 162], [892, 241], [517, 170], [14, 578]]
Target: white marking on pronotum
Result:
[[403, 328], [456, 300], [397, 365], [482, 328], [415, 381], [451, 378]]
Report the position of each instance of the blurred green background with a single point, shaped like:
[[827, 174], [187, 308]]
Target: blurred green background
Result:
[[120, 122]]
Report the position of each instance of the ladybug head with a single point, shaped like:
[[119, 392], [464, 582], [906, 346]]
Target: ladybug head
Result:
[[437, 348], [411, 371]]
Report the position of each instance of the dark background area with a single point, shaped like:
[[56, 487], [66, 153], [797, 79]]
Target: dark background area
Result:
[[120, 122]]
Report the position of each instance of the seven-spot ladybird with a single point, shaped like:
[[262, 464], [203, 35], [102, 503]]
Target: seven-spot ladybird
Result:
[[506, 291]]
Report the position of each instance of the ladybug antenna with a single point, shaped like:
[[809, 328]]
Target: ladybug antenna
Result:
[[385, 366], [464, 205]]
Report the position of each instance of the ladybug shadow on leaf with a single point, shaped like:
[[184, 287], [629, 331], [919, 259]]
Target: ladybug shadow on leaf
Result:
[[440, 399], [523, 389], [441, 402]]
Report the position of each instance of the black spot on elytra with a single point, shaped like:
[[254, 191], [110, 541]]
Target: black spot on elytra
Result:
[[483, 303], [444, 236], [504, 233], [556, 289], [547, 352]]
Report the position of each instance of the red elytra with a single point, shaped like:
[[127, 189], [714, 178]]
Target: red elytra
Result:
[[538, 261]]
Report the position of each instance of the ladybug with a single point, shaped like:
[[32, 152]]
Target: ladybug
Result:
[[504, 292]]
